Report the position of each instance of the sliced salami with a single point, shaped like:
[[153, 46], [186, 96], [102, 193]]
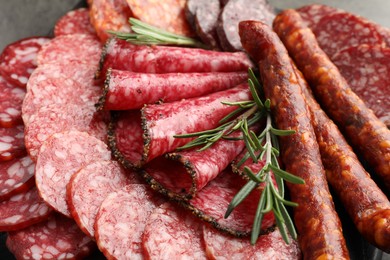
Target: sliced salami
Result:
[[60, 157], [75, 21], [121, 221], [11, 99], [23, 210], [88, 188], [366, 69], [129, 90], [57, 238], [16, 176], [18, 59], [169, 225], [12, 143], [313, 13]]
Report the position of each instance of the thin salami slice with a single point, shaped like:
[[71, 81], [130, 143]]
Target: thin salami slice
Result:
[[75, 21], [121, 221], [18, 59], [57, 238], [12, 143], [88, 188], [313, 13], [60, 157], [119, 54], [268, 246], [23, 210], [16, 176], [169, 225], [11, 99], [365, 67], [128, 90]]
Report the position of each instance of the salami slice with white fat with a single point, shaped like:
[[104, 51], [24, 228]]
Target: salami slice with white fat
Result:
[[12, 143], [57, 238], [16, 176], [88, 188], [11, 99], [75, 21], [169, 225], [121, 221], [23, 210], [313, 13], [18, 60], [60, 157]]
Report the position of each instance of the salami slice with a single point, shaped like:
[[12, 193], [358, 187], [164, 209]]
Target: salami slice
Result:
[[119, 54], [18, 59], [313, 13], [129, 90], [121, 221], [169, 225], [75, 21], [60, 157], [12, 143], [23, 210], [365, 67], [11, 99], [16, 176], [88, 188], [57, 238]]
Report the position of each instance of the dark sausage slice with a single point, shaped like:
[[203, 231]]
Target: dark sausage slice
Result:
[[12, 143], [319, 228], [75, 21], [11, 99]]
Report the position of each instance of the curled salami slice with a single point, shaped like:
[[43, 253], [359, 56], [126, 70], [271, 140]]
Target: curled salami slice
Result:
[[60, 157], [16, 176], [12, 143], [128, 90], [365, 67], [169, 225], [121, 221], [312, 14], [268, 246], [119, 54], [75, 21], [57, 238], [18, 59], [23, 210], [88, 188], [239, 10], [11, 99]]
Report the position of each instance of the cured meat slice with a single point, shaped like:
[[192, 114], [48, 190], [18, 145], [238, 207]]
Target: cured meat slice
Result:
[[65, 48], [53, 119], [16, 176], [129, 90], [169, 225], [121, 221], [88, 188], [268, 246], [365, 67], [57, 238], [239, 10], [60, 157], [12, 143], [109, 15], [119, 54], [312, 14], [23, 210], [75, 21], [11, 99], [18, 60]]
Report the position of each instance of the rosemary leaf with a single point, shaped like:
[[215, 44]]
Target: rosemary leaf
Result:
[[240, 196], [256, 228], [268, 201], [252, 176], [255, 96], [282, 230], [288, 221], [287, 176], [282, 132]]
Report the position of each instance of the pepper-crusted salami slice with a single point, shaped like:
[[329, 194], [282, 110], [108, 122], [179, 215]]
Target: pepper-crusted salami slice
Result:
[[16, 176], [119, 54], [60, 157], [88, 188], [365, 132], [57, 238], [366, 69], [23, 210], [319, 228], [75, 21], [18, 60], [173, 233], [121, 221], [129, 90], [11, 99], [12, 143]]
